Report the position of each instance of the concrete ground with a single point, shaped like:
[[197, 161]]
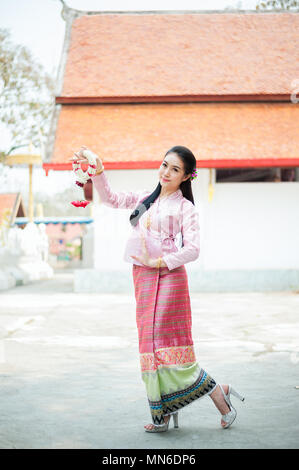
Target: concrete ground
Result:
[[70, 374]]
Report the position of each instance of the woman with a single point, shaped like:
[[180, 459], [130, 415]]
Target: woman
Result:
[[172, 376]]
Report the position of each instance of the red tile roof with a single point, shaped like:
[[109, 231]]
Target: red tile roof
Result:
[[138, 136], [190, 55], [11, 206], [124, 59]]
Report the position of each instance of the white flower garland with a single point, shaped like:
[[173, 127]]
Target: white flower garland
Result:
[[82, 177]]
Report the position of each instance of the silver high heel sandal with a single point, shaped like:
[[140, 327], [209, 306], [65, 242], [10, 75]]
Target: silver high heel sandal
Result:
[[230, 417], [165, 426]]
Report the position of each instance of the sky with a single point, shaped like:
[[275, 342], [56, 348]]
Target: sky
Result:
[[38, 25]]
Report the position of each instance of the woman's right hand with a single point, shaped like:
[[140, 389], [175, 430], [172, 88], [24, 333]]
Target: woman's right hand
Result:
[[80, 158]]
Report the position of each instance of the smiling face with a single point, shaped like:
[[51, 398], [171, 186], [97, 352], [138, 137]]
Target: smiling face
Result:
[[172, 173]]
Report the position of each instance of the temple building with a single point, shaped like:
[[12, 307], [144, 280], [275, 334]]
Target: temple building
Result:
[[11, 206], [131, 85]]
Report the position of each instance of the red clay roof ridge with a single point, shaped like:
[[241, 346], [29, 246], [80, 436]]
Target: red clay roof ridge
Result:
[[68, 12]]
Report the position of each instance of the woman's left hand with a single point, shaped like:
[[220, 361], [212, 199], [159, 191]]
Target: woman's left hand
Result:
[[145, 258]]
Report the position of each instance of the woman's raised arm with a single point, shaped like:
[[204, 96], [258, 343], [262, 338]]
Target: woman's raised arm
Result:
[[118, 200]]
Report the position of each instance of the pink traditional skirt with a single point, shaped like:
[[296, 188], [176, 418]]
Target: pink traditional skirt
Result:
[[172, 376]]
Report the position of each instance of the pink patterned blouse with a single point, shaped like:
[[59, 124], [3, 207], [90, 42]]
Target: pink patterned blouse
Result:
[[170, 226]]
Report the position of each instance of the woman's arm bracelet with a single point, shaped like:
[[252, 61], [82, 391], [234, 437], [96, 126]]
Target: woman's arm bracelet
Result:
[[98, 172]]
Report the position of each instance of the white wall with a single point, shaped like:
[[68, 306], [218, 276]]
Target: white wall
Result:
[[251, 226]]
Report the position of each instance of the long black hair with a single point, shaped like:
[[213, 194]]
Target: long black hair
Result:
[[189, 162]]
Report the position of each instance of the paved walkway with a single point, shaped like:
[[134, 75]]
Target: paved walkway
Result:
[[70, 374]]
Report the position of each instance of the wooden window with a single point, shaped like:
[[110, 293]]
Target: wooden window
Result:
[[231, 175]]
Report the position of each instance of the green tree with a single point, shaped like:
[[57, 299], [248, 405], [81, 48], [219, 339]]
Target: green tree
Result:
[[26, 93], [291, 5]]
